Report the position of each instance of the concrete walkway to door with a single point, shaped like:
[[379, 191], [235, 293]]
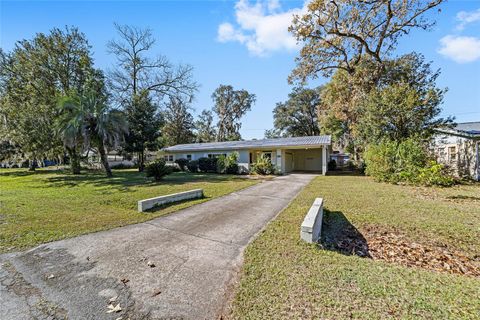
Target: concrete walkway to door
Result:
[[196, 253]]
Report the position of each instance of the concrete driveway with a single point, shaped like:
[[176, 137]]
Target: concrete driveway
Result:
[[196, 253]]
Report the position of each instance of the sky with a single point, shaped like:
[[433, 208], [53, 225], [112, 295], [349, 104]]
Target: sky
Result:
[[246, 44]]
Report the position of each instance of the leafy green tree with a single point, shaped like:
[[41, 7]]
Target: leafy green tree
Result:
[[298, 115], [230, 106], [205, 129], [272, 133], [7, 151], [88, 118], [144, 121], [358, 109], [32, 76], [179, 123], [399, 112]]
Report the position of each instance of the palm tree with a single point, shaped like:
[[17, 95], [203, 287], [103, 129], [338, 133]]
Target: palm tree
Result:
[[87, 121]]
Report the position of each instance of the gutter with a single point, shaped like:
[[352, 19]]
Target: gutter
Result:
[[314, 146], [459, 134]]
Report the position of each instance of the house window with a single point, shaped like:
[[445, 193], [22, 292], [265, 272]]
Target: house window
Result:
[[268, 155], [168, 157], [216, 155], [189, 157], [452, 153]]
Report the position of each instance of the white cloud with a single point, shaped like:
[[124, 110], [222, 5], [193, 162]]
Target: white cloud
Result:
[[466, 17], [460, 49], [262, 27]]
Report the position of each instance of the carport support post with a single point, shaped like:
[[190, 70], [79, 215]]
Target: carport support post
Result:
[[324, 160], [280, 161]]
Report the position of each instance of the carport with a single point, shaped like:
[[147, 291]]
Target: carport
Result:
[[304, 159]]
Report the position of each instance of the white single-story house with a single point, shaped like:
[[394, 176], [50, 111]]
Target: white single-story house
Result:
[[288, 154], [459, 148]]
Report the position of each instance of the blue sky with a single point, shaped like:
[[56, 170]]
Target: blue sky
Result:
[[245, 44]]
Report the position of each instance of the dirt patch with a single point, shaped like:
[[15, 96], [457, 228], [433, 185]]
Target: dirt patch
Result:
[[395, 247]]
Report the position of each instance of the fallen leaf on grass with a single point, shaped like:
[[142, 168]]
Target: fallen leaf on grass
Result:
[[112, 308], [156, 293], [150, 264], [51, 276]]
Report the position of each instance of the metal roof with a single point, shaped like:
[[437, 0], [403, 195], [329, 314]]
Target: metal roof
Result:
[[309, 141], [469, 127], [469, 130]]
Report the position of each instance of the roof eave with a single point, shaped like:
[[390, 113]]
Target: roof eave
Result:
[[309, 146], [459, 133]]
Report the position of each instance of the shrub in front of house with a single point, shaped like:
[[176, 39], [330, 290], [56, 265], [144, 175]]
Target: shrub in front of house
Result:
[[435, 174], [221, 164], [158, 169], [207, 164], [182, 163], [228, 164], [263, 166], [332, 165], [231, 163], [405, 162], [192, 166]]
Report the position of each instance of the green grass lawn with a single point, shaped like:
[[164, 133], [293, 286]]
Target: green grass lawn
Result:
[[50, 205], [285, 278]]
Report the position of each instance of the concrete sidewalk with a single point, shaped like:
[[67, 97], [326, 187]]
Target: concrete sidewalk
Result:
[[197, 253]]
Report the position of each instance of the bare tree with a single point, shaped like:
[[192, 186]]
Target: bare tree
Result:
[[137, 72], [337, 34], [141, 84]]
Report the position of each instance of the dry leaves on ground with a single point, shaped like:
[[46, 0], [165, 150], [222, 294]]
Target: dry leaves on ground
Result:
[[392, 246]]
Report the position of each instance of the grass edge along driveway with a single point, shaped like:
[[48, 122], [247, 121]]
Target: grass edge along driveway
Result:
[[51, 205], [285, 278]]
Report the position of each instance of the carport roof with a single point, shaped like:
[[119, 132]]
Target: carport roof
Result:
[[309, 141]]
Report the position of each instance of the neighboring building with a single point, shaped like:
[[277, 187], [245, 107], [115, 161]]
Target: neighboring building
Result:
[[288, 154], [341, 159], [459, 149]]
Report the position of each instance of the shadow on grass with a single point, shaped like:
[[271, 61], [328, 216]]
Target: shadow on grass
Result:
[[124, 179], [463, 197], [355, 173], [339, 235], [24, 172]]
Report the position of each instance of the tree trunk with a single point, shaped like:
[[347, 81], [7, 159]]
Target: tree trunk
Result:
[[104, 158], [74, 160], [32, 165], [141, 161]]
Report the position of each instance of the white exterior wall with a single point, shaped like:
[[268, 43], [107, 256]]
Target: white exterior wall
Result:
[[243, 156], [311, 159], [465, 163]]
